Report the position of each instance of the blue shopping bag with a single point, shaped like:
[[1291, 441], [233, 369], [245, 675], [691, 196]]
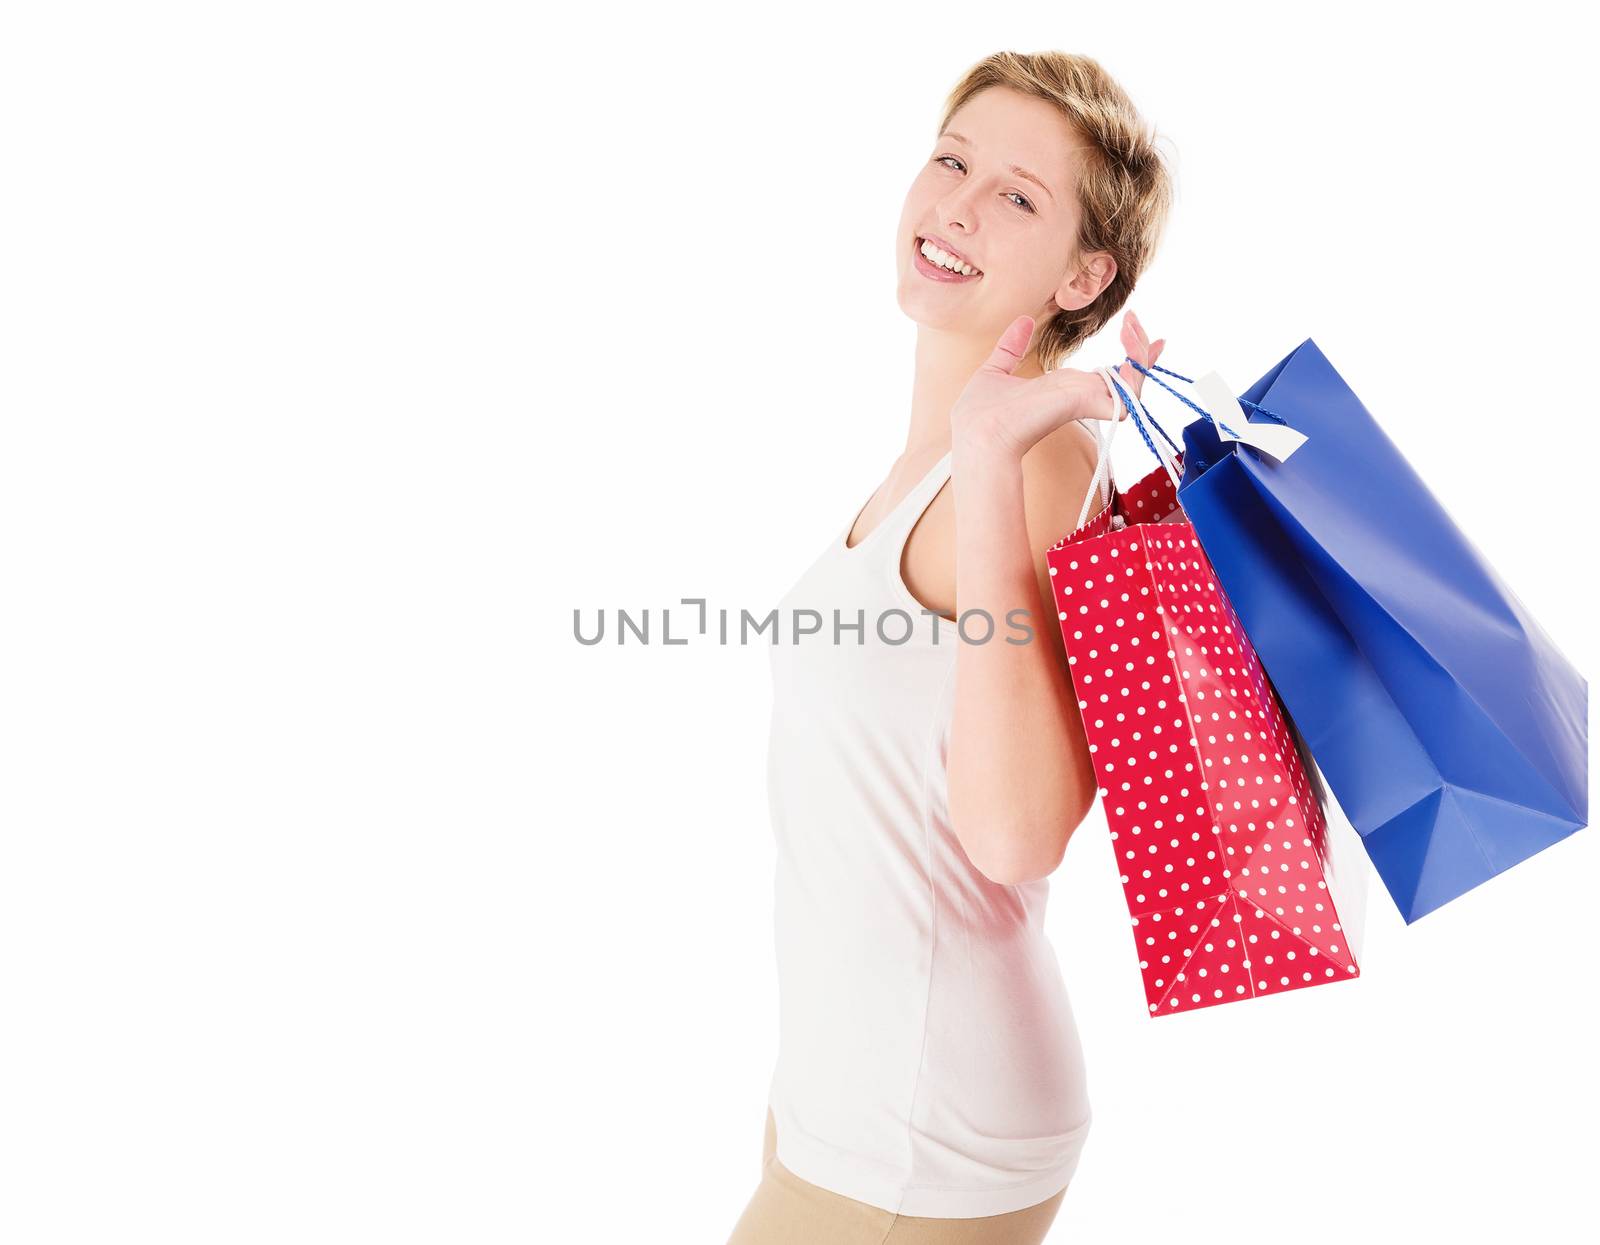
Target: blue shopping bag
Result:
[[1450, 727]]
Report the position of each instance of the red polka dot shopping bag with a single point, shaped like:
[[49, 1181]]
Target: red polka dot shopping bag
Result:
[[1219, 822]]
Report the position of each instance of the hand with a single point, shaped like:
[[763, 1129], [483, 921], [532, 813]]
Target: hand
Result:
[[1013, 413]]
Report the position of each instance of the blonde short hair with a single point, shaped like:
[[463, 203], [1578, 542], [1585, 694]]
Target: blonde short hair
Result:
[[1125, 190]]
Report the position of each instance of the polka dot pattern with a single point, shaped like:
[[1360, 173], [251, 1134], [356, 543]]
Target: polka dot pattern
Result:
[[1222, 844]]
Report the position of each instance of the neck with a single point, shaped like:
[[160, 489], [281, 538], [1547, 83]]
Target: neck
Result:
[[944, 364]]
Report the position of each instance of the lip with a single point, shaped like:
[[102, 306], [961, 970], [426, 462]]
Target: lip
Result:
[[932, 271], [944, 245]]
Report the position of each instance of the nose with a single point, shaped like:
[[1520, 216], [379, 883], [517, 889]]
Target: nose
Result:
[[958, 210]]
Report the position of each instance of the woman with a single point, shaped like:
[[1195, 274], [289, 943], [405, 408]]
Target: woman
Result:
[[924, 779]]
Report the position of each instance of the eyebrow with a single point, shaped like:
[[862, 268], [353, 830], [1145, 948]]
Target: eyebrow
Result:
[[1015, 168]]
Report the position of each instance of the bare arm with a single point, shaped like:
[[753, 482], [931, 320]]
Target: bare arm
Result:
[[1020, 775]]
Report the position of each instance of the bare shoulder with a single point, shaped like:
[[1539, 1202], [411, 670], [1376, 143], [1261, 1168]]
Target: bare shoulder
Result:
[[1056, 474]]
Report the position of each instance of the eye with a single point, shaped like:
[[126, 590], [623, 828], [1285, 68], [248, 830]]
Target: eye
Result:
[[1025, 205]]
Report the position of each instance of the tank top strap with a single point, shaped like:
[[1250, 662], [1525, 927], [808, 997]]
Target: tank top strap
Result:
[[898, 523]]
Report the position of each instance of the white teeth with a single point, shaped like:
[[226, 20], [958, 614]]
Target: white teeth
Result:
[[945, 260]]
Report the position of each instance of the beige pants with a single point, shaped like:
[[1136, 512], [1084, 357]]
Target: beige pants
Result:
[[785, 1210]]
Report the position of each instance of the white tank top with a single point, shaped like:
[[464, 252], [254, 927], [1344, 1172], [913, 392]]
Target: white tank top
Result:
[[928, 1061]]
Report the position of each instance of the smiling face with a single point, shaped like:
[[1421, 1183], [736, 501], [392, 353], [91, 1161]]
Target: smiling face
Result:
[[998, 197]]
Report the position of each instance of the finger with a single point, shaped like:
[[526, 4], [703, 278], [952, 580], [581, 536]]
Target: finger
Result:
[[1139, 335], [1068, 393], [1139, 324], [1138, 350], [1125, 368], [1012, 347], [1133, 342]]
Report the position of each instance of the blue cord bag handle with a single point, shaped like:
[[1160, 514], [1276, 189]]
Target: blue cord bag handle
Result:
[[1277, 445], [1258, 409]]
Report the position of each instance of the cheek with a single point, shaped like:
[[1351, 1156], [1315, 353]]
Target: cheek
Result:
[[909, 212], [922, 199], [1034, 267], [1019, 272]]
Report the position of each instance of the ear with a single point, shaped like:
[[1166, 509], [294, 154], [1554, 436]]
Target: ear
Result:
[[1088, 278]]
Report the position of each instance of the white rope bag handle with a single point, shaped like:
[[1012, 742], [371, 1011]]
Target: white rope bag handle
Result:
[[1102, 466]]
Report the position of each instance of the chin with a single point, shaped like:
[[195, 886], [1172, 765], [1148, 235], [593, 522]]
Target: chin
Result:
[[935, 313]]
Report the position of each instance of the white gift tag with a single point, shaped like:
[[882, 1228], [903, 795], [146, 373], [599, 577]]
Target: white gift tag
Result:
[[1277, 441]]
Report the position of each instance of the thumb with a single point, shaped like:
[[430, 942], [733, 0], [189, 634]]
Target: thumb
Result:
[[1012, 347]]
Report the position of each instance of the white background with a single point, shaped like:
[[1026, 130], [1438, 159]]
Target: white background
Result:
[[346, 349]]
